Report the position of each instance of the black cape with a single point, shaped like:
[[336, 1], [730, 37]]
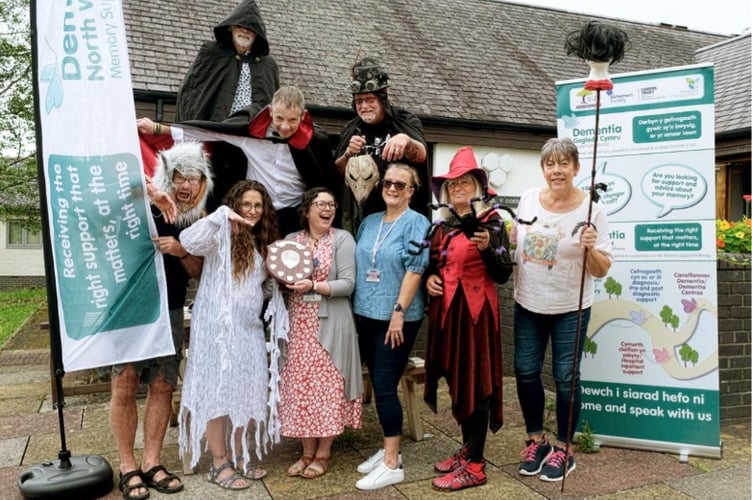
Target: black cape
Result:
[[313, 158], [208, 88], [396, 120]]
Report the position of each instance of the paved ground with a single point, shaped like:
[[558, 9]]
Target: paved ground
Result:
[[29, 434]]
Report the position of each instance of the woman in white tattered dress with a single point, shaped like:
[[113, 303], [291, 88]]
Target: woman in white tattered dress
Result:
[[230, 385]]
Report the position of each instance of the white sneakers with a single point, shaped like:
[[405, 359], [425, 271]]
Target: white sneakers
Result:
[[373, 461], [379, 475]]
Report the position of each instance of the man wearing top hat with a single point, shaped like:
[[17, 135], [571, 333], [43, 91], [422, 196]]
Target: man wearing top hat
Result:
[[387, 133]]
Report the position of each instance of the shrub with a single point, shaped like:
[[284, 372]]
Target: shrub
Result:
[[733, 238]]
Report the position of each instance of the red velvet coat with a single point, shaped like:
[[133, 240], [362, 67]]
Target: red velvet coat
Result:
[[464, 344]]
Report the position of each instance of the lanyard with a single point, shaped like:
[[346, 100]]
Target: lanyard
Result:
[[378, 242]]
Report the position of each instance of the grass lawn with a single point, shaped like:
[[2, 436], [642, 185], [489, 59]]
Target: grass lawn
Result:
[[16, 306]]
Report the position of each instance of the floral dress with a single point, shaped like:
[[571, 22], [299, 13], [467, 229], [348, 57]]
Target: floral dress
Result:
[[312, 397]]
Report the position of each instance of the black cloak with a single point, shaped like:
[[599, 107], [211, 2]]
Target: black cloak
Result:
[[208, 89], [396, 120]]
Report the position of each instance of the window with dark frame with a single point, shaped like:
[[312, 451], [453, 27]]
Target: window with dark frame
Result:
[[20, 237]]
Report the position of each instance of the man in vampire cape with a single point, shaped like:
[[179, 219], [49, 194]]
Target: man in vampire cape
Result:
[[284, 149]]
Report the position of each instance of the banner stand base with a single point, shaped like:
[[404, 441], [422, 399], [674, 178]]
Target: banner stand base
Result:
[[79, 477]]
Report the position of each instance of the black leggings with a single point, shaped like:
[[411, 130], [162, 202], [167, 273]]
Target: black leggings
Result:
[[474, 431]]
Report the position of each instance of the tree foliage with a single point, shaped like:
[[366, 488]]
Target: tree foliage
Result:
[[19, 193]]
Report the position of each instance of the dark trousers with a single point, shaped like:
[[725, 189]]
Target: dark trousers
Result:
[[531, 334], [475, 430], [385, 367]]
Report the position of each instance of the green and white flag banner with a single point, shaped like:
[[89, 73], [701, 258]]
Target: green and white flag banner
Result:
[[110, 284]]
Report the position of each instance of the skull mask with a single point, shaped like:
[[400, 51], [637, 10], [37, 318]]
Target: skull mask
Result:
[[361, 175]]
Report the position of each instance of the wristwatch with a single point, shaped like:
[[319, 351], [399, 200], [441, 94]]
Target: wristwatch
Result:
[[398, 308]]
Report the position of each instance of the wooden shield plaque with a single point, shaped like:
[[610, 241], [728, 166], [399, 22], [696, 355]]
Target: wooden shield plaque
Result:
[[289, 261]]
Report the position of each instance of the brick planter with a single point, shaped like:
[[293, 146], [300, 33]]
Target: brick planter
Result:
[[735, 353]]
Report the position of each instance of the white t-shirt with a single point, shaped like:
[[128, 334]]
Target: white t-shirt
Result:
[[549, 257]]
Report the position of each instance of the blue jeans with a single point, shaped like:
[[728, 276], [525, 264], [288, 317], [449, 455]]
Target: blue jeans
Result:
[[385, 367], [531, 334]]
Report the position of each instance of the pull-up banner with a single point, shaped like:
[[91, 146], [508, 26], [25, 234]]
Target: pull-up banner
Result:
[[109, 280], [650, 365]]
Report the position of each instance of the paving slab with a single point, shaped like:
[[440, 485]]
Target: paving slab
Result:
[[733, 482], [12, 451], [29, 434]]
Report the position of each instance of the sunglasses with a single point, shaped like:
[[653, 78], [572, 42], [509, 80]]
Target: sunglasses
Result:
[[398, 185]]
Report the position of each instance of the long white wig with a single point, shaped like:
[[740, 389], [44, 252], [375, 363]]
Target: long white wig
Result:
[[187, 158]]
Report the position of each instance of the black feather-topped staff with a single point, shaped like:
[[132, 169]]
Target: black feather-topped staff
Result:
[[600, 45]]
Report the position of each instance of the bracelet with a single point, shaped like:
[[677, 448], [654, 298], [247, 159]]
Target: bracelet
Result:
[[347, 154], [313, 286], [185, 256], [157, 128]]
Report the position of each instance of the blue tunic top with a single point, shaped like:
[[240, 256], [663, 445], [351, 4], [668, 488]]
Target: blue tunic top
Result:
[[376, 300]]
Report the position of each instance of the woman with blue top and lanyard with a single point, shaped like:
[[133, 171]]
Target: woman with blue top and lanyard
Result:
[[388, 304]]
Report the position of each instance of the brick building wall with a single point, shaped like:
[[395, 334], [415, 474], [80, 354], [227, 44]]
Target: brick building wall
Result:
[[19, 282]]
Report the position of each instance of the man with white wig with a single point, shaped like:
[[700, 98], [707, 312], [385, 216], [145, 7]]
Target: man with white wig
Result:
[[183, 174]]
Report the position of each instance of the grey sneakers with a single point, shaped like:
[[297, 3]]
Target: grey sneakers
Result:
[[535, 456]]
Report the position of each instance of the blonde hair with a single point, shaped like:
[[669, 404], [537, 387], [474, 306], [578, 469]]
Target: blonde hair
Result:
[[414, 177], [478, 206]]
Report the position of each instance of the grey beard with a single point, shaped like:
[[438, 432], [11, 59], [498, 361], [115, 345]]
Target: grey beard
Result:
[[243, 43], [187, 215]]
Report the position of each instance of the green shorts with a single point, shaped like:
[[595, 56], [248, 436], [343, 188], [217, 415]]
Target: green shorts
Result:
[[148, 369]]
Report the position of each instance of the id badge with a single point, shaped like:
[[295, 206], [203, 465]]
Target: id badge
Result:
[[373, 276], [312, 297]]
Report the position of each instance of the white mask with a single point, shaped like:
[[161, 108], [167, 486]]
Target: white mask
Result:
[[361, 175]]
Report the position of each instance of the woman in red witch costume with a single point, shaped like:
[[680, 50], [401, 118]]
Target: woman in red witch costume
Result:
[[464, 345]]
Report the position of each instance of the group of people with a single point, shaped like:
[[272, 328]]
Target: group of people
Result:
[[270, 359]]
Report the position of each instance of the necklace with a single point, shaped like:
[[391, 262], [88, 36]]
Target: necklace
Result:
[[318, 238], [313, 244]]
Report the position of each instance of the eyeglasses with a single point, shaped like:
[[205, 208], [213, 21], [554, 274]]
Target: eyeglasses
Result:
[[461, 182], [321, 205], [179, 180], [253, 207], [398, 185], [370, 100]]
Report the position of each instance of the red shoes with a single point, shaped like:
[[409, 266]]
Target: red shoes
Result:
[[465, 476], [452, 463]]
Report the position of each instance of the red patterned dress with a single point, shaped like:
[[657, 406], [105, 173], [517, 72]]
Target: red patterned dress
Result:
[[312, 395]]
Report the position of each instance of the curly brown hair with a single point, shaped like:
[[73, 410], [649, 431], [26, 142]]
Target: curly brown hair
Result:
[[248, 239]]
